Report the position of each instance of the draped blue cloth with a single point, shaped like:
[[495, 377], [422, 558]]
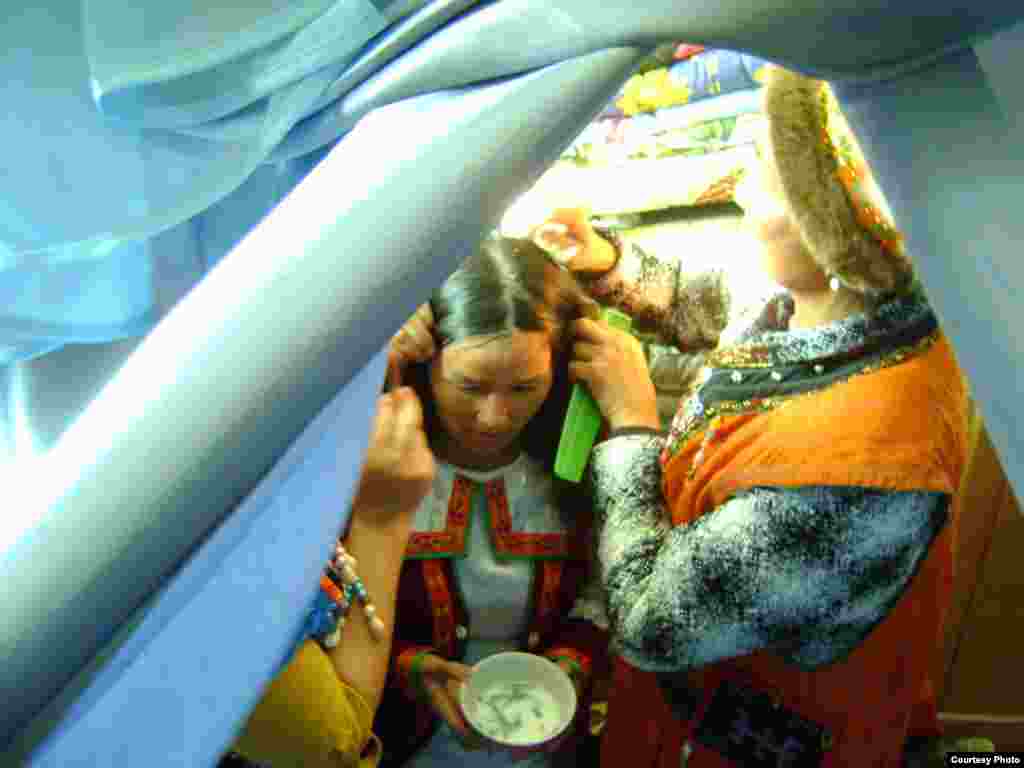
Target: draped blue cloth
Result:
[[329, 252], [160, 562], [138, 137]]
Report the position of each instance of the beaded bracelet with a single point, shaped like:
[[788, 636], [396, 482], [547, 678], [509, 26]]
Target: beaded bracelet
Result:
[[343, 587]]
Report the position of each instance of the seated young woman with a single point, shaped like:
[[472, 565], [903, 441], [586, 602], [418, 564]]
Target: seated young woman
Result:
[[498, 553]]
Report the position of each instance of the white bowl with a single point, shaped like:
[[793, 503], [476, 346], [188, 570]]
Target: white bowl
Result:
[[505, 694]]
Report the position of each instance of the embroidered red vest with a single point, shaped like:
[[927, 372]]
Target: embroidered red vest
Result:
[[431, 615]]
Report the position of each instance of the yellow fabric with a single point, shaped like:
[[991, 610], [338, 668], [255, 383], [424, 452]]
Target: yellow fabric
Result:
[[308, 717]]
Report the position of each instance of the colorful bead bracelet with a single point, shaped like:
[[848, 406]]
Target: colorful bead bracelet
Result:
[[343, 587]]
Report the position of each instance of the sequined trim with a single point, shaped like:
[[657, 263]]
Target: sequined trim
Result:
[[511, 544], [696, 416], [743, 356], [452, 540]]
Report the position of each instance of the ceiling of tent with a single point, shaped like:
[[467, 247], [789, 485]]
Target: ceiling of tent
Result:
[[206, 386]]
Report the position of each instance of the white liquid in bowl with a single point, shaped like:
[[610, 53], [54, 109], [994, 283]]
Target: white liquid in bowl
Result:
[[517, 713]]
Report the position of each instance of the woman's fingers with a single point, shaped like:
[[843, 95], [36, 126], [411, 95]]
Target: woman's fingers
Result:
[[444, 679], [431, 665], [585, 351], [420, 330], [552, 232], [458, 671], [588, 329], [408, 415], [445, 670], [414, 343], [399, 468], [469, 738], [394, 373], [612, 364], [557, 237], [566, 234], [577, 220], [445, 706], [383, 422], [425, 314], [415, 340], [582, 372], [590, 310]]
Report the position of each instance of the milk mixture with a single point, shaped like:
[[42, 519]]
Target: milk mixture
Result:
[[517, 713]]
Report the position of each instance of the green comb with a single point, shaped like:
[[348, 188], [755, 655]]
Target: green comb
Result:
[[583, 419]]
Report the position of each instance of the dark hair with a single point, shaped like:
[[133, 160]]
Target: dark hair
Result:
[[510, 285]]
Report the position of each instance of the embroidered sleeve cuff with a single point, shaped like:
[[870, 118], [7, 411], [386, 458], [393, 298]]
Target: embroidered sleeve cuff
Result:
[[408, 667], [579, 662]]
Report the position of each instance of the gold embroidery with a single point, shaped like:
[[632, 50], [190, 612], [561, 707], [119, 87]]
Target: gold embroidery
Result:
[[512, 544], [452, 540], [741, 356], [440, 597]]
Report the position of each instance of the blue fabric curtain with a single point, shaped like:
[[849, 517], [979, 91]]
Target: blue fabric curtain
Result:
[[136, 140], [137, 173]]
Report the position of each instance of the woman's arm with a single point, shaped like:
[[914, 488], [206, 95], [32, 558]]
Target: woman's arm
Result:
[[688, 311], [753, 573], [359, 658], [319, 710], [398, 473]]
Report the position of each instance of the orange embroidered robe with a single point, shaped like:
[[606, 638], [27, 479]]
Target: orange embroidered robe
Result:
[[897, 423]]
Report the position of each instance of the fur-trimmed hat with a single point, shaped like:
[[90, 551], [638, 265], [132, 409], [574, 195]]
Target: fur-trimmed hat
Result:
[[841, 213]]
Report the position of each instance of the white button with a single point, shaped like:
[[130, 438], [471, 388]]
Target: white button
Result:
[[533, 640], [776, 376], [819, 368], [737, 377], [461, 632]]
